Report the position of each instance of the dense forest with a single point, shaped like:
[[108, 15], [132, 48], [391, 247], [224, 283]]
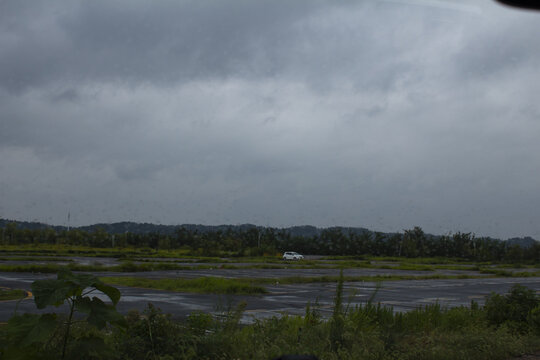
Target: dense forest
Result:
[[251, 240]]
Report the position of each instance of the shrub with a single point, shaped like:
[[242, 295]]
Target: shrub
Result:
[[33, 336], [150, 336], [515, 308]]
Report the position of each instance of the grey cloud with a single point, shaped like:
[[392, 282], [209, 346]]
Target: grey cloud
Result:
[[139, 41], [66, 95], [371, 114], [501, 45], [136, 170], [170, 42]]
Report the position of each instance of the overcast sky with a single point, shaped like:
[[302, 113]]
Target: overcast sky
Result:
[[379, 114]]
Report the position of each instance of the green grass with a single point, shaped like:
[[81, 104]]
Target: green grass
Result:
[[391, 277], [34, 268], [86, 251], [34, 258], [506, 273], [367, 331], [218, 285], [181, 259], [418, 260], [375, 278], [349, 263], [123, 267], [129, 266], [12, 294], [207, 285]]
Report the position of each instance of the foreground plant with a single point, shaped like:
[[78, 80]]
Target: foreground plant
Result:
[[43, 336], [368, 331]]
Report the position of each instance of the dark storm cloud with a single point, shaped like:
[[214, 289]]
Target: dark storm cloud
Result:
[[500, 46], [138, 41], [383, 114], [168, 42]]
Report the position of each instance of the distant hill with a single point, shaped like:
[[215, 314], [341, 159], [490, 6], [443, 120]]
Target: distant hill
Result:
[[145, 228], [31, 225], [525, 242], [132, 227]]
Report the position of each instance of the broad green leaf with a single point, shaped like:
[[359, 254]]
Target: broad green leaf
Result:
[[20, 325], [27, 329], [43, 330], [55, 292], [112, 292], [99, 313], [81, 281], [13, 352], [92, 346], [51, 292], [83, 304]]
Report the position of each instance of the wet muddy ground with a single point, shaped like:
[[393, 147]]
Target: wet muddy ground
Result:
[[287, 299]]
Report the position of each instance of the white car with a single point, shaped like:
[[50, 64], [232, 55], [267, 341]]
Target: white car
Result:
[[291, 255]]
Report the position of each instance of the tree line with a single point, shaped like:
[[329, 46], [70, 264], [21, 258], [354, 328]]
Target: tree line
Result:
[[256, 241]]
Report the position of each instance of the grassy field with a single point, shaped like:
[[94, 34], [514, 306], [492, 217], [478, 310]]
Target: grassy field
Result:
[[506, 326], [63, 250], [47, 259], [11, 294], [218, 285], [364, 331], [208, 285], [430, 273]]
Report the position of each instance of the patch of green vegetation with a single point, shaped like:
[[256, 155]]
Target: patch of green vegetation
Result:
[[35, 258], [414, 267], [123, 267], [207, 285], [146, 259], [362, 264], [510, 266], [150, 259], [463, 267], [507, 326], [48, 268], [86, 251], [220, 285], [367, 331], [12, 294], [420, 260], [257, 259], [52, 336], [506, 273], [374, 278], [128, 266], [415, 264], [344, 257], [516, 266], [59, 250]]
